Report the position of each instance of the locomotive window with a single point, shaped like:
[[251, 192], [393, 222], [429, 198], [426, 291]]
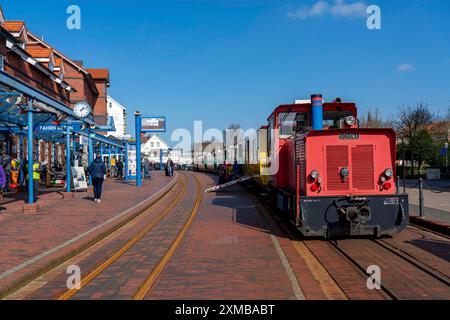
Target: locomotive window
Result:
[[292, 122], [333, 119]]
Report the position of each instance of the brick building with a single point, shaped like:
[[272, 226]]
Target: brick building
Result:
[[30, 59]]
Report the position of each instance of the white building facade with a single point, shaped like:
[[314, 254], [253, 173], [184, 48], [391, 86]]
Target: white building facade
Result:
[[153, 147], [119, 114]]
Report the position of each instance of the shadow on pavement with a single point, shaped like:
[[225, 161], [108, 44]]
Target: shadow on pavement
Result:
[[440, 249]]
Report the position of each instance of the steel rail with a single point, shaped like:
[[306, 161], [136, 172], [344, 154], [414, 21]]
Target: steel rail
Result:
[[159, 268], [136, 238], [414, 261], [358, 267]]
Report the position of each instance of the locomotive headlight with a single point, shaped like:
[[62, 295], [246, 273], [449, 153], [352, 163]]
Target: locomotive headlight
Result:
[[315, 174], [389, 173], [345, 172], [350, 121]]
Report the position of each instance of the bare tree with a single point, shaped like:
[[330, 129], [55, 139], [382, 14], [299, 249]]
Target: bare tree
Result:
[[372, 119], [413, 119]]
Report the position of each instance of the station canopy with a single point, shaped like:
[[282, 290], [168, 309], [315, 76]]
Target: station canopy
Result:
[[47, 111]]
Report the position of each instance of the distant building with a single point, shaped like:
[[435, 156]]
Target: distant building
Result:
[[119, 115], [153, 145]]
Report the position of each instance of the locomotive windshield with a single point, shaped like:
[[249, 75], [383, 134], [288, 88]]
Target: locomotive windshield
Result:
[[291, 122]]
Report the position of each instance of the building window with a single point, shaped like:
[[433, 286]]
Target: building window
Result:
[[51, 67], [2, 58], [152, 144], [110, 104], [159, 145]]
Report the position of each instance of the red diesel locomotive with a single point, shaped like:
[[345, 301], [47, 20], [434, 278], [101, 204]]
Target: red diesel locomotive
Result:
[[329, 176]]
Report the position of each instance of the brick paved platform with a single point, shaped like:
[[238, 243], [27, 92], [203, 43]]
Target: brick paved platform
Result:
[[231, 252], [31, 242]]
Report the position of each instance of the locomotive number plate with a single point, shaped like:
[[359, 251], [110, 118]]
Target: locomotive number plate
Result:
[[349, 136]]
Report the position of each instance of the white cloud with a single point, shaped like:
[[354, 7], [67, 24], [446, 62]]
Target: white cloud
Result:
[[343, 9], [340, 8], [318, 9], [406, 67]]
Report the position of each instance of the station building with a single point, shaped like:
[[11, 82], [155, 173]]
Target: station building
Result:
[[39, 86]]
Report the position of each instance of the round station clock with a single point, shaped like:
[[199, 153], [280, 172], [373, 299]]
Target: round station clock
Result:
[[82, 109]]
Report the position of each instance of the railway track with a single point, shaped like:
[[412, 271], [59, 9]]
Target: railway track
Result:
[[137, 239], [404, 275]]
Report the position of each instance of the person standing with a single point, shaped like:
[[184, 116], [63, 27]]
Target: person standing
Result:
[[113, 167], [7, 167], [36, 176], [97, 172]]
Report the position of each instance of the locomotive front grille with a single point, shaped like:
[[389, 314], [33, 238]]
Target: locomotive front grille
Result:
[[363, 167], [337, 158]]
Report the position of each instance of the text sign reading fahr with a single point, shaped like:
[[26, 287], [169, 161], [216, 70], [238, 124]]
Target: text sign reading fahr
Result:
[[153, 124], [56, 128]]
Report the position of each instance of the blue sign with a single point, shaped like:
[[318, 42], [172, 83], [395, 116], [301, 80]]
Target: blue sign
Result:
[[153, 124], [443, 151]]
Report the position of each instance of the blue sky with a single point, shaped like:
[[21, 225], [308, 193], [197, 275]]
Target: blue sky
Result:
[[233, 61]]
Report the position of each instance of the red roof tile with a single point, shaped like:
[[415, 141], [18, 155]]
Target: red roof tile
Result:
[[38, 52], [99, 74], [13, 26]]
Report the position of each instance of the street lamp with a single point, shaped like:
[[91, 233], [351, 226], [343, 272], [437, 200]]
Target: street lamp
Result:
[[446, 154]]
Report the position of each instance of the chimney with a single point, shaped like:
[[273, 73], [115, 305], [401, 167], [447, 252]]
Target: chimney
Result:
[[317, 111]]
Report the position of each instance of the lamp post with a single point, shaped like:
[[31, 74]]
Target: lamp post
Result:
[[446, 154]]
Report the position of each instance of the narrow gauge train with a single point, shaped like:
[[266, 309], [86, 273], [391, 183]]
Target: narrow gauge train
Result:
[[329, 176]]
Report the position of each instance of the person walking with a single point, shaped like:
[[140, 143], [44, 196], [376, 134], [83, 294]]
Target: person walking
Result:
[[170, 167], [7, 168], [97, 172], [119, 168], [2, 182], [147, 168]]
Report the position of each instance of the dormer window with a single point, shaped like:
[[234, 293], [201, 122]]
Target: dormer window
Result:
[[2, 65], [51, 67], [61, 76]]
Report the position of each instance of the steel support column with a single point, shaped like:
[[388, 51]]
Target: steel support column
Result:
[[74, 149], [30, 152], [109, 160], [125, 160], [90, 155], [138, 149], [21, 159], [68, 175]]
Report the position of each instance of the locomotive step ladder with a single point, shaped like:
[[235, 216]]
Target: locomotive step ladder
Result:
[[228, 184]]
